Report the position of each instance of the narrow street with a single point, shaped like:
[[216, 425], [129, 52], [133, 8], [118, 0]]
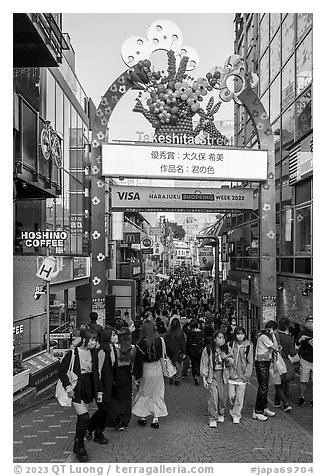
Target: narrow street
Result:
[[44, 434]]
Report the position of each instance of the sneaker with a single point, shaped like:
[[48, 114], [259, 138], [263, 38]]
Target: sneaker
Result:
[[287, 407], [100, 438], [196, 381], [277, 405], [301, 402], [236, 419], [212, 423], [220, 418], [268, 412], [259, 416]]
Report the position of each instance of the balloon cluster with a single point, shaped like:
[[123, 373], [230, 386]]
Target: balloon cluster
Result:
[[173, 95]]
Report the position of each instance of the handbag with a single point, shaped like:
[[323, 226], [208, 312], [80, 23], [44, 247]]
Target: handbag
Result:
[[167, 367], [61, 393], [279, 364]]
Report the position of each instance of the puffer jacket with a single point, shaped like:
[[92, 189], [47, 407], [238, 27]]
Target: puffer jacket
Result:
[[206, 364], [243, 361]]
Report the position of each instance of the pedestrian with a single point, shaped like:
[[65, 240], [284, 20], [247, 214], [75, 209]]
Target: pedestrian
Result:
[[107, 368], [194, 347], [233, 325], [265, 346], [216, 360], [148, 370], [93, 325], [305, 343], [286, 349], [240, 372], [86, 368], [175, 348], [119, 412]]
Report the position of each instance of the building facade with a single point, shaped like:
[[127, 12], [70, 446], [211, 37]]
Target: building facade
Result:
[[277, 47], [51, 188]]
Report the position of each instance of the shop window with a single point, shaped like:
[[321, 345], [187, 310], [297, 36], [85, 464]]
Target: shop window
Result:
[[303, 266], [275, 19], [58, 109], [288, 83], [288, 36], [264, 72], [254, 263], [304, 63], [288, 127], [29, 136], [73, 127], [264, 33], [303, 192], [275, 96], [304, 22], [287, 265], [286, 241], [275, 55], [265, 101], [30, 216], [50, 98], [303, 231], [303, 117]]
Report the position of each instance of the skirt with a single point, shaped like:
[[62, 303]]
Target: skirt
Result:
[[150, 396], [119, 409], [85, 391]]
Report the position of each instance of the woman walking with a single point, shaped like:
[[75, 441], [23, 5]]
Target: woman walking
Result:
[[215, 362], [175, 348], [194, 347], [107, 367], [265, 347], [85, 391], [147, 367], [240, 372]]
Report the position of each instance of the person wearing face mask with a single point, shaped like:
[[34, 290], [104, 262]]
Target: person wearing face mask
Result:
[[240, 372], [85, 391], [107, 369], [216, 360]]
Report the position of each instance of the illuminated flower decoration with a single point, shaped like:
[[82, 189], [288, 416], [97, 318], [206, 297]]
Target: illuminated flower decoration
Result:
[[255, 113], [122, 89], [99, 159], [96, 235], [95, 143], [264, 116], [266, 207], [271, 235], [99, 291], [100, 183], [260, 126], [95, 170], [270, 176], [99, 112], [108, 110], [299, 217], [266, 257], [100, 135], [104, 121], [96, 281], [264, 217], [114, 88], [96, 200], [104, 101], [114, 99], [268, 132], [266, 186], [121, 80], [100, 257]]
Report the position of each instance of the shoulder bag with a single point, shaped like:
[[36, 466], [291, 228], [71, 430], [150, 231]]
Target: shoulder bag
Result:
[[167, 367], [61, 393]]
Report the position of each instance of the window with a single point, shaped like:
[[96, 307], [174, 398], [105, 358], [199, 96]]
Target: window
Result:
[[303, 192], [288, 126], [30, 216], [286, 244], [50, 98], [304, 22], [275, 55], [288, 36], [288, 83], [275, 19], [304, 63], [265, 101], [58, 110], [264, 72], [264, 33], [277, 136], [29, 137], [275, 93], [303, 231], [303, 117]]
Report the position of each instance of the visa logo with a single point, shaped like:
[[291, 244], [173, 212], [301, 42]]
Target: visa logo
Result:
[[128, 196]]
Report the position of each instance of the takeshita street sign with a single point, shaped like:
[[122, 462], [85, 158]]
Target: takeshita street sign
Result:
[[181, 162], [191, 199]]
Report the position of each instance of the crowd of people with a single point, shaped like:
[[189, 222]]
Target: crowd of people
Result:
[[120, 366]]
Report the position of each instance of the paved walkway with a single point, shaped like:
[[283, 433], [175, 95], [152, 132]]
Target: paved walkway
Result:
[[45, 434]]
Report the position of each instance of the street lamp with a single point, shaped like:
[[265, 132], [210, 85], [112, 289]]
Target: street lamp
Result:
[[215, 244]]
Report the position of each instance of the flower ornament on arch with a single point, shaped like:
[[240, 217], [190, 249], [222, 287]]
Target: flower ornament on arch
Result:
[[100, 257], [271, 235], [100, 183], [266, 207], [96, 281], [96, 201], [95, 170], [96, 235]]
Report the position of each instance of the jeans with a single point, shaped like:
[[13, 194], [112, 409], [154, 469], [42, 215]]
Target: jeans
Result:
[[217, 395], [262, 372], [195, 366], [178, 366], [236, 397]]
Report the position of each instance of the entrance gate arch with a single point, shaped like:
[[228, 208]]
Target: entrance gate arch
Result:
[[132, 79]]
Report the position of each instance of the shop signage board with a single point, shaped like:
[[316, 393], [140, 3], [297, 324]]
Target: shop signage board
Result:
[[206, 258], [43, 370], [131, 237], [180, 198], [180, 162], [81, 267]]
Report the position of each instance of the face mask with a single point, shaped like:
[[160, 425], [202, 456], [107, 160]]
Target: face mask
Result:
[[240, 337], [91, 343]]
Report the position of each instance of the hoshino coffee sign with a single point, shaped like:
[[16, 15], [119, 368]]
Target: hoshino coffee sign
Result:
[[44, 238], [166, 198]]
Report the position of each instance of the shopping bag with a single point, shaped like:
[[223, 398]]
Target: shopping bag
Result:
[[279, 364], [61, 393], [167, 367]]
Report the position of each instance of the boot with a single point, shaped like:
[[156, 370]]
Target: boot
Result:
[[80, 451]]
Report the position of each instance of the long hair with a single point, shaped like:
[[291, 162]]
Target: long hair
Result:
[[106, 335], [124, 336], [212, 344], [239, 330], [174, 330], [87, 334], [147, 337]]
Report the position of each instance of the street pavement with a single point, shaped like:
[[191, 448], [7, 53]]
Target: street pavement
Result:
[[44, 434]]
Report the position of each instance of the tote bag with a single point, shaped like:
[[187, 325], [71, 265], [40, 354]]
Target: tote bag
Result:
[[167, 367], [60, 392]]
